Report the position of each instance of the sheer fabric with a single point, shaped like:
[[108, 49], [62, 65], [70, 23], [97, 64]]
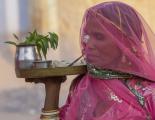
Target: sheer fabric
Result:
[[114, 36], [126, 31]]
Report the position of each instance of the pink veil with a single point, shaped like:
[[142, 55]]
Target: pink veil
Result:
[[96, 99], [128, 31]]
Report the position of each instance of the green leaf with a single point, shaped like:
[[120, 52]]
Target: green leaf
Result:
[[39, 46], [31, 39], [11, 43], [53, 40], [45, 39], [43, 47]]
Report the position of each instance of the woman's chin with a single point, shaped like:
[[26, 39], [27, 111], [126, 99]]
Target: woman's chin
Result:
[[100, 64]]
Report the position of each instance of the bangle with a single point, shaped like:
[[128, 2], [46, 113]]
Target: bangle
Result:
[[45, 117], [52, 113], [49, 111]]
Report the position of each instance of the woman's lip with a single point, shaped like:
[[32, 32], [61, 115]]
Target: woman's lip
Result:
[[90, 49], [93, 53], [90, 55]]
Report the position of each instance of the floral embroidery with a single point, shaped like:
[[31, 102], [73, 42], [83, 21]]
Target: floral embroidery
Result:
[[115, 97]]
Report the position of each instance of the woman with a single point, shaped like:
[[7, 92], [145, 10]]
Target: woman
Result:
[[119, 85]]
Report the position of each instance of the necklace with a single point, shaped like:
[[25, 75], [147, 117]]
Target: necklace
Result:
[[106, 73]]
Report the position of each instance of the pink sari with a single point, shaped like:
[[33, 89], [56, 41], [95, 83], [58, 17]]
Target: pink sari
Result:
[[114, 37]]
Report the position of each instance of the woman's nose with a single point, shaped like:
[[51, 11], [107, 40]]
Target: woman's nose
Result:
[[90, 45]]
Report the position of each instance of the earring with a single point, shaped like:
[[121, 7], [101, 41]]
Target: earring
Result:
[[134, 49], [124, 60], [129, 63]]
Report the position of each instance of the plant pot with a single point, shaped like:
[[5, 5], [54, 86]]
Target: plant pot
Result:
[[42, 63], [25, 56]]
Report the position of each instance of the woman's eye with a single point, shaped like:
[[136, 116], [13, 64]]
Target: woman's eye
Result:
[[99, 36]]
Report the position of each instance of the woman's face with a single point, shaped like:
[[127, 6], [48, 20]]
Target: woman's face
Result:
[[100, 48]]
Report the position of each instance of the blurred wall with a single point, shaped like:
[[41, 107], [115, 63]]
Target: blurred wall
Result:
[[61, 16]]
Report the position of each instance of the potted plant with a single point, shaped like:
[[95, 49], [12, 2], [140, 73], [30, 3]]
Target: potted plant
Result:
[[34, 47]]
